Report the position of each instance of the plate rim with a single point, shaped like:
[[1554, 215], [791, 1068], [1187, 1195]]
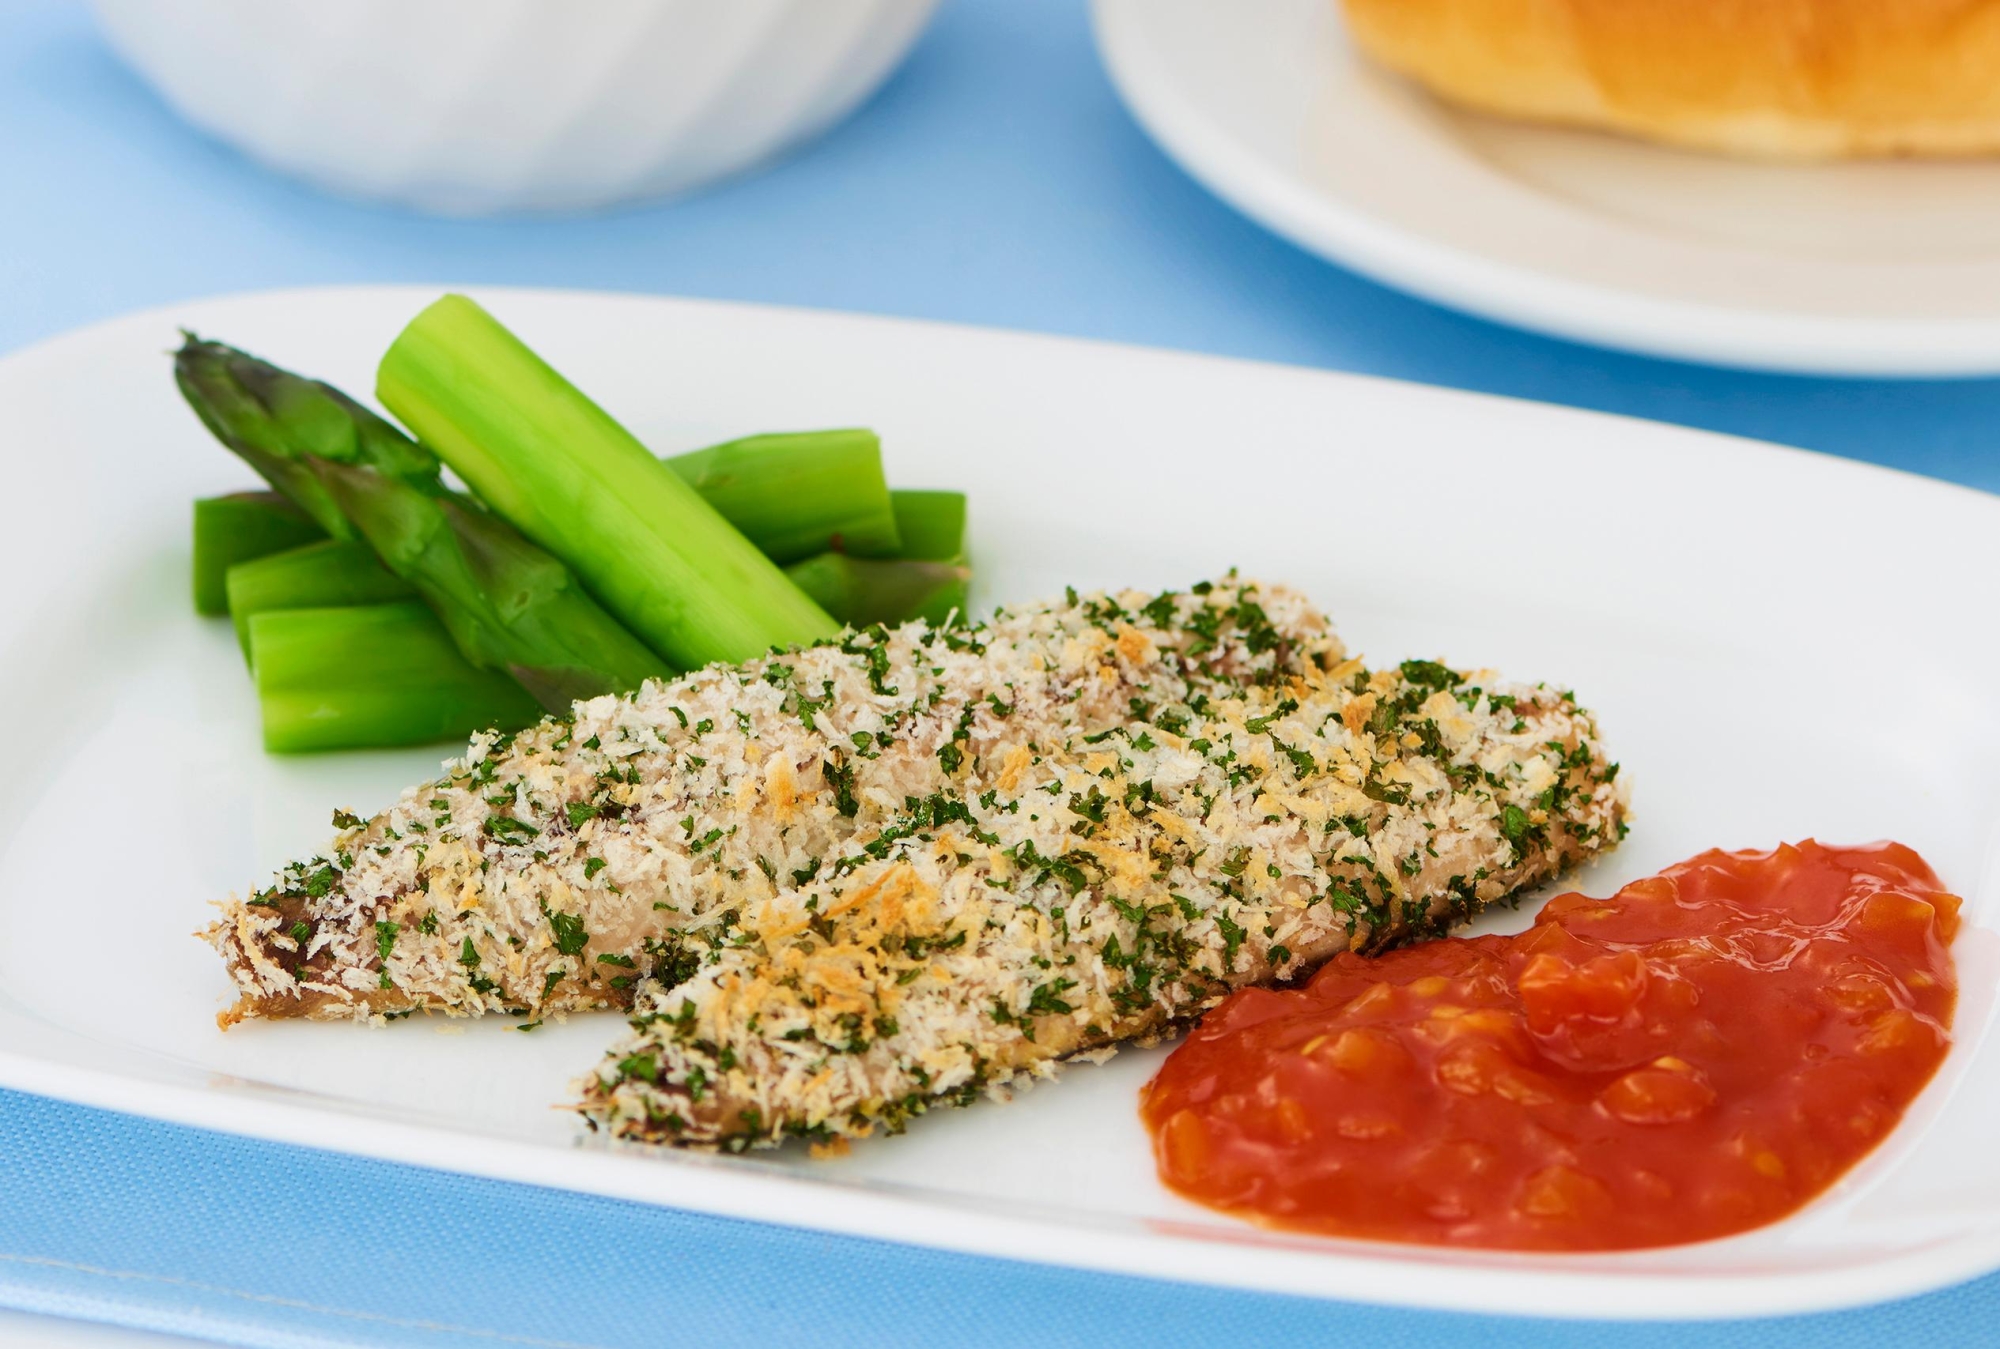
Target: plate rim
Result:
[[1145, 1249], [872, 1213], [1508, 294]]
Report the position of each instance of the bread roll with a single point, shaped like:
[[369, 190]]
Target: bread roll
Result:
[[1793, 79]]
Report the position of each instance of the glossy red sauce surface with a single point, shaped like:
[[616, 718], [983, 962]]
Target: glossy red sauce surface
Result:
[[1701, 1053]]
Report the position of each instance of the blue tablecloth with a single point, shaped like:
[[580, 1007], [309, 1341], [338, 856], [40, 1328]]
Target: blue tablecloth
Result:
[[996, 180]]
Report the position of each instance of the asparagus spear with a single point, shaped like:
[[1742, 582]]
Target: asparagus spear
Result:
[[931, 524], [235, 528], [556, 465], [371, 676], [510, 606], [860, 590], [323, 575], [798, 493], [278, 423]]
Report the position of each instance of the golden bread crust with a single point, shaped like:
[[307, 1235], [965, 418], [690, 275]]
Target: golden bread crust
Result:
[[1788, 79]]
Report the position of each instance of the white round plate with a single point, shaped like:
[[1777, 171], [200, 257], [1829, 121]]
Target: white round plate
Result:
[[1888, 268]]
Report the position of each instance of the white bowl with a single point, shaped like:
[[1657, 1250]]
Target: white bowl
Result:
[[480, 106]]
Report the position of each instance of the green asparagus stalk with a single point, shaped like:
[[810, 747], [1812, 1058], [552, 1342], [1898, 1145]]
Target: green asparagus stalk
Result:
[[279, 423], [324, 575], [931, 524], [236, 528], [568, 476], [372, 676], [509, 606], [859, 591], [798, 493]]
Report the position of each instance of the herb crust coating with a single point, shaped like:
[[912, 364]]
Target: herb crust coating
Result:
[[839, 885], [1112, 885]]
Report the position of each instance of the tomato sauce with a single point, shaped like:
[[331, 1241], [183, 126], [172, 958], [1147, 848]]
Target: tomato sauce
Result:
[[1702, 1053]]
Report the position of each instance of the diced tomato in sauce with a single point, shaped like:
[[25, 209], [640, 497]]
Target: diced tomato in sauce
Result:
[[1700, 1054]]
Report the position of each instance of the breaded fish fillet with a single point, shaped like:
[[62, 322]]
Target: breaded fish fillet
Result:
[[555, 869], [1109, 882]]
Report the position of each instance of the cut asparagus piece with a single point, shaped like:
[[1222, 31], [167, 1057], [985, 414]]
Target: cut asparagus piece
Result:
[[860, 591], [568, 476], [236, 528], [931, 524], [371, 676], [798, 493], [329, 574], [509, 606]]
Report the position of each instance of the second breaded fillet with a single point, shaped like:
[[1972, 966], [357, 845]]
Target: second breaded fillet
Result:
[[1124, 883]]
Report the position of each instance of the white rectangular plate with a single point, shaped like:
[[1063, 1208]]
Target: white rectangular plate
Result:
[[1779, 645]]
